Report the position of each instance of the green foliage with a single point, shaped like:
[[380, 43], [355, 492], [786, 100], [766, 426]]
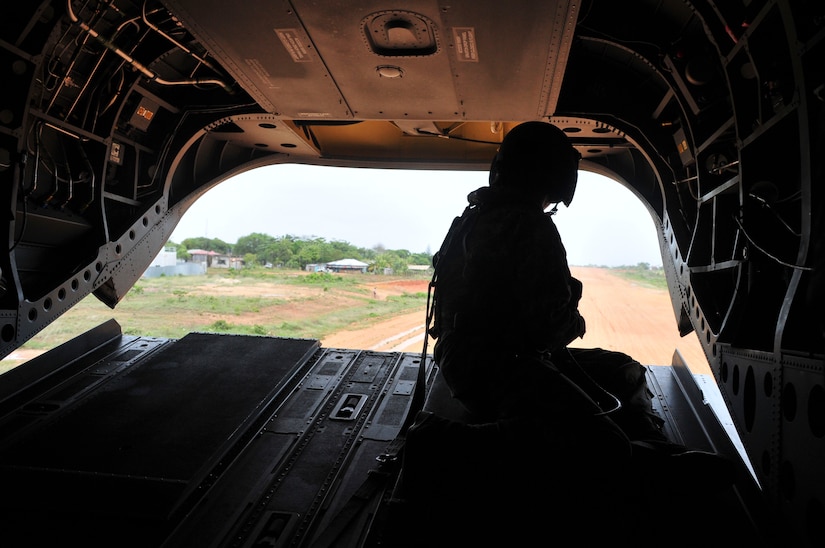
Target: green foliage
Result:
[[322, 278], [408, 296], [288, 251], [255, 244], [221, 325], [173, 306], [287, 329], [208, 244], [181, 251], [644, 275]]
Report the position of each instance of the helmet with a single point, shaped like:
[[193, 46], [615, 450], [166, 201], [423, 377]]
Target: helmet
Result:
[[537, 157]]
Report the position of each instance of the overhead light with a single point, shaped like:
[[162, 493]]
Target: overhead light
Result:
[[389, 71]]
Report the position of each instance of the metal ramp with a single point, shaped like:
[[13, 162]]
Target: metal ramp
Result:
[[226, 440]]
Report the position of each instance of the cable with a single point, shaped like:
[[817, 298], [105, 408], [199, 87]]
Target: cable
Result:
[[148, 73], [775, 213], [591, 385], [770, 256], [447, 136]]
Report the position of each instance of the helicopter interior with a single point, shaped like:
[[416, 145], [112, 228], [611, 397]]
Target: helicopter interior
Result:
[[118, 115]]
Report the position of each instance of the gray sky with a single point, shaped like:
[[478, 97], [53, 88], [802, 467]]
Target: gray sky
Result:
[[605, 225]]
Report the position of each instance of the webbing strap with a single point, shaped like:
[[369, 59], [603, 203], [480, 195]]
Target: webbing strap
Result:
[[373, 486], [420, 392]]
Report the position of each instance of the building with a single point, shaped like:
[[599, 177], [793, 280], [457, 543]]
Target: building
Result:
[[167, 257], [167, 264], [213, 259], [347, 265]]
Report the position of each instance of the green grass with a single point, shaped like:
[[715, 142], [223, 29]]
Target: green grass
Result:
[[171, 307], [642, 275]]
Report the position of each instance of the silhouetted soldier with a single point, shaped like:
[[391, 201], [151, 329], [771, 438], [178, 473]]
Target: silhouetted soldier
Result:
[[575, 424]]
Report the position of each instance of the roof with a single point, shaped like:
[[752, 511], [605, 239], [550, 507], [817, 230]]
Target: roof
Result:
[[348, 262]]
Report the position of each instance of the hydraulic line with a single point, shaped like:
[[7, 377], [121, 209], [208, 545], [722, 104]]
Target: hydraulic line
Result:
[[175, 42], [136, 64]]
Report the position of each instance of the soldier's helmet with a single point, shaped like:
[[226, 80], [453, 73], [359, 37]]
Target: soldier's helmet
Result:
[[538, 157]]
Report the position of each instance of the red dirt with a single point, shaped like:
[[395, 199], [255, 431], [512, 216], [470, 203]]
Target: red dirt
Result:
[[620, 315]]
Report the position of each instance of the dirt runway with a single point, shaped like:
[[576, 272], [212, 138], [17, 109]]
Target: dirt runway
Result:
[[620, 315]]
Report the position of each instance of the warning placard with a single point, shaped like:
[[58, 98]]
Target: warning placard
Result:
[[465, 44], [294, 45]]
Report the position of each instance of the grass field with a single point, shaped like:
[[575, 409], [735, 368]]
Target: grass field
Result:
[[258, 302], [654, 279]]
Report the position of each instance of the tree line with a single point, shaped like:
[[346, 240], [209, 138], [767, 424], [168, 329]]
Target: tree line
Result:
[[289, 251]]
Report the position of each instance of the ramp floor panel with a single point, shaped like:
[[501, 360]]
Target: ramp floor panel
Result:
[[164, 421]]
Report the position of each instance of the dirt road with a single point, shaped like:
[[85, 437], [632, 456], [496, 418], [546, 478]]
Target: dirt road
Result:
[[620, 316]]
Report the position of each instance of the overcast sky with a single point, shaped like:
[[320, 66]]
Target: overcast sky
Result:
[[605, 224]]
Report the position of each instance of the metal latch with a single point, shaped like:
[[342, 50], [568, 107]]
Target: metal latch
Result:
[[348, 407]]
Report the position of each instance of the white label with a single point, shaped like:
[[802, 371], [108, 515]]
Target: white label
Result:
[[466, 48]]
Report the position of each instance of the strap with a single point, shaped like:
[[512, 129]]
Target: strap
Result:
[[373, 486], [602, 397], [420, 392]]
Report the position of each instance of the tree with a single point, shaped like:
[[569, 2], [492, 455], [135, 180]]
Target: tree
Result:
[[208, 244], [311, 253], [254, 243], [420, 258], [280, 251], [346, 249], [296, 252]]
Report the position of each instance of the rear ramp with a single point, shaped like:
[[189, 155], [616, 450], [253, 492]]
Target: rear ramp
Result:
[[227, 440]]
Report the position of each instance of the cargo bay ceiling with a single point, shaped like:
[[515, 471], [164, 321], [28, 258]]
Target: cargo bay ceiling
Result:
[[377, 84], [420, 63]]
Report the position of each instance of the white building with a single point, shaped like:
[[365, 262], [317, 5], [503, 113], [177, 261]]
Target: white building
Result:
[[167, 257]]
